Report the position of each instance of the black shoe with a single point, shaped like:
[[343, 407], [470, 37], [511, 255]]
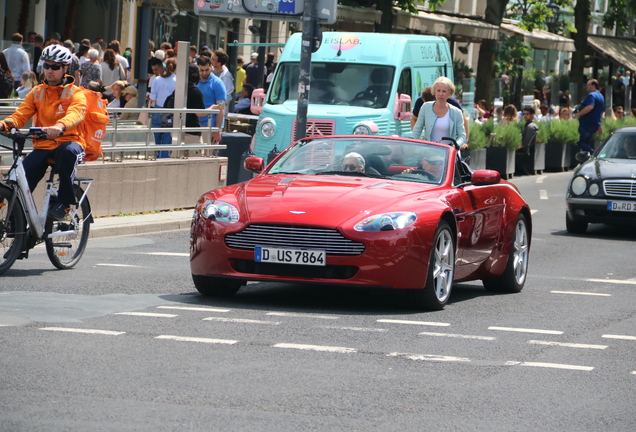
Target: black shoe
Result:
[[59, 211]]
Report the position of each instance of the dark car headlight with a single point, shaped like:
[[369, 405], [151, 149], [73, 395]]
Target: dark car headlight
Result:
[[220, 211], [579, 185], [386, 221]]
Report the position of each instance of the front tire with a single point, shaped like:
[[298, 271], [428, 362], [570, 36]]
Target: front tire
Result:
[[513, 278], [215, 287], [65, 251], [574, 226], [441, 270], [12, 234]]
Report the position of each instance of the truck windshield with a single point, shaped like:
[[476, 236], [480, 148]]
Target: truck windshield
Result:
[[336, 84]]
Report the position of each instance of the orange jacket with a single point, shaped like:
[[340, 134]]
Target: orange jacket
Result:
[[64, 103]]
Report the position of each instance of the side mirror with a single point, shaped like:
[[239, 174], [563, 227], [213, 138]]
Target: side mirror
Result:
[[254, 164], [582, 156], [257, 101], [402, 108], [485, 177]]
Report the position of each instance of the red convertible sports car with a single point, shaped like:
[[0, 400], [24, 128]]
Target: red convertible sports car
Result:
[[363, 211]]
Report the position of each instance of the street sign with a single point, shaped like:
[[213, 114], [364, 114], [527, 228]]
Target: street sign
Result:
[[280, 10]]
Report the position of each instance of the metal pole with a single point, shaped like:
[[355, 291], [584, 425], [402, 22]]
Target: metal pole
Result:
[[309, 24], [262, 52], [141, 66]]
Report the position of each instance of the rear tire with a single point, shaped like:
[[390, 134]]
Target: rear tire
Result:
[[215, 287], [65, 251], [441, 270], [573, 226], [11, 235], [513, 278]]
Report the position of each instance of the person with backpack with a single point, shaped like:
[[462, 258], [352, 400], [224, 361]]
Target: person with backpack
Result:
[[57, 106], [162, 87], [6, 78]]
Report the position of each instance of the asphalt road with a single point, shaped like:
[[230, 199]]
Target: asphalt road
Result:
[[124, 342]]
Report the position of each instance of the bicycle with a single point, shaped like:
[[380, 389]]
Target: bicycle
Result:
[[22, 227]]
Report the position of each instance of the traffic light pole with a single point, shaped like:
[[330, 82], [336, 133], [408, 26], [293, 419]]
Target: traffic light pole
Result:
[[309, 26]]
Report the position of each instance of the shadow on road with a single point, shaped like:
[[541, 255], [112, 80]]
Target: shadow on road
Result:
[[603, 232]]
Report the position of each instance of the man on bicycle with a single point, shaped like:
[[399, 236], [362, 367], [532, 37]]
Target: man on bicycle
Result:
[[58, 106]]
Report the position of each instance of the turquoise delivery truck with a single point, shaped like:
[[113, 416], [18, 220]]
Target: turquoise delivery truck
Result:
[[361, 83]]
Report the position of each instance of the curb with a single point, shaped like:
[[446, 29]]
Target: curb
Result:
[[140, 224]]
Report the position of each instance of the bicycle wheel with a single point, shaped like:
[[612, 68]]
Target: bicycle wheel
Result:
[[12, 232], [65, 250]]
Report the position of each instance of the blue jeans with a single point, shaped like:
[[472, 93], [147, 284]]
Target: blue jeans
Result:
[[161, 137], [585, 140]]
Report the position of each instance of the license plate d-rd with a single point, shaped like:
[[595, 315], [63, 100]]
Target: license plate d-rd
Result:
[[626, 206]]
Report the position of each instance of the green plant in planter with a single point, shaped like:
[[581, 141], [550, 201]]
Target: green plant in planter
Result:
[[507, 135], [488, 127], [478, 139], [543, 134], [564, 132], [609, 125]]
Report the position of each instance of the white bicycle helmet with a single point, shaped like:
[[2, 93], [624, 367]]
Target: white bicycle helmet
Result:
[[57, 54]]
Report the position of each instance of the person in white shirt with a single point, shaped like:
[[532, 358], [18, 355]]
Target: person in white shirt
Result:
[[17, 58], [219, 60], [115, 46], [162, 87]]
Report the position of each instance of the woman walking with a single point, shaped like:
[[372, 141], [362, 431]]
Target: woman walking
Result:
[[162, 87], [112, 71], [91, 70]]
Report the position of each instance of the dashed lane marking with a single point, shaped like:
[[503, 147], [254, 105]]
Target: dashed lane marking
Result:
[[533, 211], [541, 178], [147, 314], [610, 281], [450, 359], [180, 254], [241, 321], [301, 315], [88, 331], [460, 336], [623, 337], [188, 308], [526, 330], [316, 348], [424, 323], [429, 357], [362, 329], [543, 194], [116, 265], [567, 345], [557, 366], [581, 293], [196, 339]]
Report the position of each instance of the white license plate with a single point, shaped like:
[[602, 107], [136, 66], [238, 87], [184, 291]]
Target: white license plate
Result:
[[626, 206], [290, 256]]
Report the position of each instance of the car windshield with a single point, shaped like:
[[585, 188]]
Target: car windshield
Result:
[[366, 157], [620, 146], [335, 84]]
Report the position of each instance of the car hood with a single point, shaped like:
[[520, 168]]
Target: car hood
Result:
[[324, 200], [609, 168]]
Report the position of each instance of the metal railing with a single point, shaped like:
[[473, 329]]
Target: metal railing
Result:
[[118, 127]]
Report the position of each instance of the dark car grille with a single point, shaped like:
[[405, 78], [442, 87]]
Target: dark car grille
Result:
[[620, 188], [329, 240]]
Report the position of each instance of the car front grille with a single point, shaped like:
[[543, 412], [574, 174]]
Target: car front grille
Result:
[[620, 188], [329, 240]]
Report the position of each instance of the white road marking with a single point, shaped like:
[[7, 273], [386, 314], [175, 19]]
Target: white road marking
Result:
[[430, 357], [533, 211], [556, 366], [611, 281], [168, 254], [302, 315], [634, 373], [568, 345], [425, 323], [541, 178], [526, 330], [89, 331], [147, 314], [316, 348], [623, 337], [581, 293], [543, 194], [116, 265], [362, 329], [241, 320], [460, 336], [193, 308], [196, 339]]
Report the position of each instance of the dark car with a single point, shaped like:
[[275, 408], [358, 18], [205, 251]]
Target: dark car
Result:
[[603, 187]]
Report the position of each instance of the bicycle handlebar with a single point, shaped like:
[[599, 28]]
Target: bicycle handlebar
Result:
[[20, 138]]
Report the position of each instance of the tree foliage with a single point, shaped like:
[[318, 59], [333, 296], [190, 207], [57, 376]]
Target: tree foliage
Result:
[[618, 15]]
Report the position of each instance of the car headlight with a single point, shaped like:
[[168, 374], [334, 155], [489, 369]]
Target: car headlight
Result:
[[220, 211], [594, 189], [268, 129], [361, 130], [386, 221], [579, 184]]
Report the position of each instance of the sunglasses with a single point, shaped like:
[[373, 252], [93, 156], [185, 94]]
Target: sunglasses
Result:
[[351, 167], [52, 66], [435, 163]]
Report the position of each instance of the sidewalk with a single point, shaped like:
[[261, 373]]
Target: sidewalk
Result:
[[140, 224]]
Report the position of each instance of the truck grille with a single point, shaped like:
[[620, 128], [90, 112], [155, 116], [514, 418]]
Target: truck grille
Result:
[[316, 127], [620, 188], [295, 237]]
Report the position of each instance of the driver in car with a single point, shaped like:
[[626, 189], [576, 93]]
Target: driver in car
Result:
[[353, 162], [433, 164], [629, 144]]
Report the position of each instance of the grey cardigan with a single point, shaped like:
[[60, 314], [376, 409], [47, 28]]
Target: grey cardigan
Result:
[[427, 118]]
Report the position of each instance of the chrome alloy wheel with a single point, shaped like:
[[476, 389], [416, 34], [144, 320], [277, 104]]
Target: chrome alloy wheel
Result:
[[444, 265], [520, 252]]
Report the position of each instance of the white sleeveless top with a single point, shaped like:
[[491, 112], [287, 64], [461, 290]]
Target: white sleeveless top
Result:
[[441, 128]]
